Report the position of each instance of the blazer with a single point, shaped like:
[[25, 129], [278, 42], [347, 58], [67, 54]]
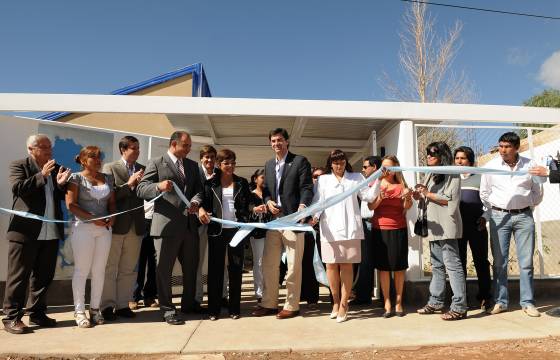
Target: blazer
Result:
[[28, 191], [444, 222], [296, 186], [212, 201], [126, 199], [554, 176], [169, 211], [342, 221]]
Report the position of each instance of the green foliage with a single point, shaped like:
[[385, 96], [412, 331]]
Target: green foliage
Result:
[[548, 98]]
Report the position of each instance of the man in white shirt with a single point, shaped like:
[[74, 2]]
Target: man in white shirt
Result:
[[509, 202]]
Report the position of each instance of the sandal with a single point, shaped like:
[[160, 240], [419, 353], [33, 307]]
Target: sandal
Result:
[[453, 315], [96, 317], [81, 319], [428, 309]]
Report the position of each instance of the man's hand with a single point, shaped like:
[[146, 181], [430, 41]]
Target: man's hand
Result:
[[203, 216], [63, 176], [165, 186], [313, 221], [538, 171], [481, 224], [193, 209], [48, 168], [272, 207], [134, 179]]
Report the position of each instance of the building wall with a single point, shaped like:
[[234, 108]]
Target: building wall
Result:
[[150, 124]]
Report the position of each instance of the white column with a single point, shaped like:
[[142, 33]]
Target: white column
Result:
[[406, 152]]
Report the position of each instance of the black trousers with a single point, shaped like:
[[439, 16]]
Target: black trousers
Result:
[[364, 284], [30, 265], [478, 242], [146, 281], [309, 284], [217, 248], [183, 247]]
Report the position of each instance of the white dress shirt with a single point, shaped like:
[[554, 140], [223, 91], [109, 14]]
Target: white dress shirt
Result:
[[365, 212], [49, 231], [174, 159], [510, 192], [279, 169]]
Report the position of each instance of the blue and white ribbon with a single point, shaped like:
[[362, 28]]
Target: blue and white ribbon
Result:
[[291, 222]]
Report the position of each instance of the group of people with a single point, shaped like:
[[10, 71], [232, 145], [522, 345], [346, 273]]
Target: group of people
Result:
[[362, 232]]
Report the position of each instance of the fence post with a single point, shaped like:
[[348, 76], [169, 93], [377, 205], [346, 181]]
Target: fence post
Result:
[[537, 213]]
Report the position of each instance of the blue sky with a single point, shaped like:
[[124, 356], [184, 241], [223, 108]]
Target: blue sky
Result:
[[312, 49]]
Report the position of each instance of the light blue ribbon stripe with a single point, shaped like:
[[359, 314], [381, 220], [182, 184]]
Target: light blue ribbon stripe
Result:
[[290, 222]]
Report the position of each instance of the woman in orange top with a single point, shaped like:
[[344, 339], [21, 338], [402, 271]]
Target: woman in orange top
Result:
[[390, 233]]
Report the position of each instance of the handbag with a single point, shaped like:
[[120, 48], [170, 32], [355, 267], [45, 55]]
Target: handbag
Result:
[[421, 225]]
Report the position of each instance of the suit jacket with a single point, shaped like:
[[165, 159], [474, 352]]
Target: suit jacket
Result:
[[554, 176], [169, 211], [296, 186], [28, 190], [126, 199]]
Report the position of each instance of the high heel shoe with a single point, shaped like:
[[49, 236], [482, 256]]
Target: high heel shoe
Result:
[[343, 318], [333, 315]]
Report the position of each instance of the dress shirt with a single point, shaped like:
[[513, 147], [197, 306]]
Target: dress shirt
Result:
[[49, 231], [365, 212], [510, 192], [174, 159], [130, 170], [279, 169]]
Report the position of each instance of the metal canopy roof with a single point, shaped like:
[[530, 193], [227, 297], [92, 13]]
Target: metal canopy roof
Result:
[[315, 126]]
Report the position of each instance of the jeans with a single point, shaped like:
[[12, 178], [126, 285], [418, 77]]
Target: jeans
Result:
[[257, 245], [522, 227], [444, 255]]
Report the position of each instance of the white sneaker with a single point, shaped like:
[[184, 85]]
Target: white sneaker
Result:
[[497, 309], [531, 311]]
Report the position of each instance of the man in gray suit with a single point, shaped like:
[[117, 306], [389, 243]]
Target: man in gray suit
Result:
[[174, 226], [120, 272]]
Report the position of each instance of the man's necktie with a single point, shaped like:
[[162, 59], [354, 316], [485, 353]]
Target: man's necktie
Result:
[[181, 170]]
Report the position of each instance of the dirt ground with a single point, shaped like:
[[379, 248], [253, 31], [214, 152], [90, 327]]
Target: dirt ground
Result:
[[541, 349]]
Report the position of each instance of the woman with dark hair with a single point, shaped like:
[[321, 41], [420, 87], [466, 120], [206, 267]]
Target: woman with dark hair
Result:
[[341, 229], [226, 196], [441, 196], [90, 195], [390, 233], [474, 227], [259, 214]]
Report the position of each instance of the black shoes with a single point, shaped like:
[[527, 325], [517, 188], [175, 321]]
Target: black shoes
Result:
[[125, 312], [109, 314], [16, 327], [174, 320], [42, 321]]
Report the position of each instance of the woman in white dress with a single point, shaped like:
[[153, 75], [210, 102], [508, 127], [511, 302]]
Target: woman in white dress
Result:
[[341, 228]]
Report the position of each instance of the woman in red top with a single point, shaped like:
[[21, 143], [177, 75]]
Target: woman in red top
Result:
[[390, 233]]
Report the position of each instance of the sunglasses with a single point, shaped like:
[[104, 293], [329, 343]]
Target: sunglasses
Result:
[[432, 152]]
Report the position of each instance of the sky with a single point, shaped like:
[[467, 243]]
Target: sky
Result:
[[291, 49]]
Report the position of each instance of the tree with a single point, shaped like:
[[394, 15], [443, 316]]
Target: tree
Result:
[[425, 60], [548, 98]]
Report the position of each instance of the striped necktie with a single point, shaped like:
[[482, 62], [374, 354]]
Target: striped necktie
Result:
[[181, 170]]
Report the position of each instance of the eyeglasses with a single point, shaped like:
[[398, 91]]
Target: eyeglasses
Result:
[[366, 166]]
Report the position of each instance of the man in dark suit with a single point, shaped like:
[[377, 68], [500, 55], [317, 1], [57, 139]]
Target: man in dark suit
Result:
[[174, 227], [38, 187], [288, 188], [120, 272]]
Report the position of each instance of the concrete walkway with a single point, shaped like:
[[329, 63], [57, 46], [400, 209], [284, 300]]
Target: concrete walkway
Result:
[[312, 331]]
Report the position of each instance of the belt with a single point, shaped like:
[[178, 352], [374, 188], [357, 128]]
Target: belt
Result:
[[512, 211]]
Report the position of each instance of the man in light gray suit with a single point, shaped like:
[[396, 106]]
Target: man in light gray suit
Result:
[[120, 272], [174, 226]]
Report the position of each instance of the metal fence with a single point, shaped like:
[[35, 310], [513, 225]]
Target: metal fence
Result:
[[537, 143]]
